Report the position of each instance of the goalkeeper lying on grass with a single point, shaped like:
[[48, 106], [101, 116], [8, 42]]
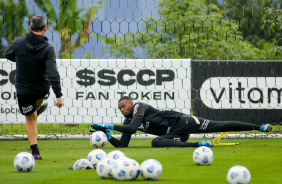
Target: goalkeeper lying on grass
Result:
[[173, 128]]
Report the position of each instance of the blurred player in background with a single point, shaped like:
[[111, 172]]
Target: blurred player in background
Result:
[[36, 72], [173, 128]]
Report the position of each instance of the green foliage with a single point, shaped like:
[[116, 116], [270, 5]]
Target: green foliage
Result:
[[272, 19], [67, 54], [88, 55], [259, 22], [69, 21], [248, 14], [272, 22], [272, 50], [12, 15], [187, 29]]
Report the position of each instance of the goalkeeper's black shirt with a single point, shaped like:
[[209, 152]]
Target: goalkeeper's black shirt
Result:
[[147, 119]]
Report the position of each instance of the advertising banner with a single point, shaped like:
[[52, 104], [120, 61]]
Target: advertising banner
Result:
[[91, 88], [248, 91]]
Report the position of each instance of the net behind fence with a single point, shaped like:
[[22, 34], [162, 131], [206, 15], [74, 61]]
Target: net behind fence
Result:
[[151, 31]]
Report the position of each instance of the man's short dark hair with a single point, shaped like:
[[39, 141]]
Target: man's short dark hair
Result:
[[127, 98], [38, 23]]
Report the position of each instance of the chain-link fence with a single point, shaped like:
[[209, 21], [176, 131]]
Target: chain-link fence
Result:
[[197, 29]]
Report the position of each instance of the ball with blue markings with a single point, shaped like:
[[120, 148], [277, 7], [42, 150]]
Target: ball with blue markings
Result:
[[136, 168], [203, 156], [124, 170], [95, 156], [151, 169], [238, 174], [116, 154], [24, 162], [98, 139], [104, 168]]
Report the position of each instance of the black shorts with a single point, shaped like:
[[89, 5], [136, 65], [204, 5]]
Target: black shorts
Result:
[[27, 103]]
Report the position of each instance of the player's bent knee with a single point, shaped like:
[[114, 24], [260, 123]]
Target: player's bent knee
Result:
[[184, 138], [156, 143]]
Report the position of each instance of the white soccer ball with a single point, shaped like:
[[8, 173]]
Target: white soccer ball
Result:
[[203, 156], [115, 154], [136, 168], [98, 139], [238, 174], [151, 169], [24, 161], [104, 168], [96, 156], [123, 170]]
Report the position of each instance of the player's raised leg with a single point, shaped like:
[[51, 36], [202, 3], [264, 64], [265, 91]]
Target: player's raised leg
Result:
[[42, 108]]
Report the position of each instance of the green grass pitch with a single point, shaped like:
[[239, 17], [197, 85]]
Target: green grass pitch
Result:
[[263, 158]]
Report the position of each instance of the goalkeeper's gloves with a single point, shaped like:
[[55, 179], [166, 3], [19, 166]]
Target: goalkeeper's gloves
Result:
[[109, 136], [102, 127]]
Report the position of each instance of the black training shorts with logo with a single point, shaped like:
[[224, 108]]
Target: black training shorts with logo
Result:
[[27, 103]]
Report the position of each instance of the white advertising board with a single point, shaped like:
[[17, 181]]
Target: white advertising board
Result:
[[91, 88], [242, 92]]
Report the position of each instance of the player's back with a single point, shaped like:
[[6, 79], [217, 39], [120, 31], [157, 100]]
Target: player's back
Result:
[[30, 53]]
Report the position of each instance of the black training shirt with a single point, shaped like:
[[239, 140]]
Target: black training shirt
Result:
[[148, 119], [36, 68]]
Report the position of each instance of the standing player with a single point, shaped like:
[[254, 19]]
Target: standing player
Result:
[[173, 128], [36, 71]]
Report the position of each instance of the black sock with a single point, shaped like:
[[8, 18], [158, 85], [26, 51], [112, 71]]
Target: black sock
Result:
[[34, 149]]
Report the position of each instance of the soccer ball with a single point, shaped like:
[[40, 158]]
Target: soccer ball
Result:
[[123, 170], [98, 139], [96, 156], [238, 174], [24, 161], [135, 164], [136, 168], [203, 156], [115, 154], [104, 168], [151, 169]]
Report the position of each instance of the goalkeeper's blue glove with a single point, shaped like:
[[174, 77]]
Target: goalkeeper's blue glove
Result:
[[109, 136], [102, 127]]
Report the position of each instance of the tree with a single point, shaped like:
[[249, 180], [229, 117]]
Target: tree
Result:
[[12, 22], [69, 21], [248, 15], [186, 29], [272, 22], [251, 16]]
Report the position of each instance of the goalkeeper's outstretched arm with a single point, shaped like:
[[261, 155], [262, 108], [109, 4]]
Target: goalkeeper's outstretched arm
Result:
[[129, 127], [123, 142], [127, 130]]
